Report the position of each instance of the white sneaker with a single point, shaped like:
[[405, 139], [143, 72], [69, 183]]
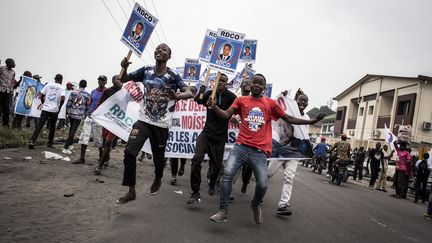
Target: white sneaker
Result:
[[71, 147], [66, 151]]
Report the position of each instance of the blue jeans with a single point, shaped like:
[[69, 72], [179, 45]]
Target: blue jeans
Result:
[[239, 156]]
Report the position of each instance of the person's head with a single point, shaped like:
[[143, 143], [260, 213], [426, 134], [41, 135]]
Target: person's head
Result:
[[10, 63], [302, 100], [362, 149], [162, 53], [258, 85], [426, 156], [37, 77], [409, 150], [378, 145], [82, 84], [116, 81], [139, 28], [344, 137], [222, 82], [69, 86], [226, 49], [245, 87], [323, 140], [385, 147], [247, 49], [102, 80], [27, 74], [193, 89], [58, 78]]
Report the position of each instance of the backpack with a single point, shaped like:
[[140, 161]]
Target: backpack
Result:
[[422, 169]]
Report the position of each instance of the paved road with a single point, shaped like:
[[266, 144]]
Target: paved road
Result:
[[323, 212]]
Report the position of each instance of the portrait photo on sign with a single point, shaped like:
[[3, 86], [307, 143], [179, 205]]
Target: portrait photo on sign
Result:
[[191, 71], [247, 51], [225, 53], [137, 31], [283, 132]]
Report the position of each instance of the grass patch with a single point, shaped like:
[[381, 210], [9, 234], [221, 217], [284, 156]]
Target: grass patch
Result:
[[17, 138]]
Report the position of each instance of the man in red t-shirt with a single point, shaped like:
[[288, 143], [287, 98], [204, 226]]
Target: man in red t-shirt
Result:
[[254, 143]]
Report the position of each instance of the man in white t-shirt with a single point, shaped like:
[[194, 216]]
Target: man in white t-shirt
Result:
[[284, 146], [52, 97]]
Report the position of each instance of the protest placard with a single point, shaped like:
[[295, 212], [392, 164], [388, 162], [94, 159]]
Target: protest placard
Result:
[[192, 69], [28, 103], [226, 53], [249, 48], [207, 46], [139, 29]]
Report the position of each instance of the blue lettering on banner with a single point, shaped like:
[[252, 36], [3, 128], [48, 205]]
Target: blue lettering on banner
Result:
[[121, 115]]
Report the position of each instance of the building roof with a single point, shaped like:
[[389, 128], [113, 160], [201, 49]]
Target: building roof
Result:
[[371, 76]]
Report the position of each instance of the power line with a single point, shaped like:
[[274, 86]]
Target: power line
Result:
[[109, 11], [121, 8], [157, 15]]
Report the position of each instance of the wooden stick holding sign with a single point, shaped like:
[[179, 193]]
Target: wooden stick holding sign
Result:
[[127, 60], [206, 78], [216, 85]]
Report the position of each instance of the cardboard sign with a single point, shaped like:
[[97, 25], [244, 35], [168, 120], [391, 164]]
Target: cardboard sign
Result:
[[28, 103], [192, 70], [207, 46], [138, 29], [226, 53], [248, 53]]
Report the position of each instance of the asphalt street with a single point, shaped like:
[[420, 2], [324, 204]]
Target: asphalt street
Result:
[[322, 212]]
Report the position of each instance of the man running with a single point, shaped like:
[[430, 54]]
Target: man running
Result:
[[253, 144], [212, 139], [155, 117], [286, 144]]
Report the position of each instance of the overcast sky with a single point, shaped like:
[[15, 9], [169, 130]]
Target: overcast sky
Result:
[[321, 46]]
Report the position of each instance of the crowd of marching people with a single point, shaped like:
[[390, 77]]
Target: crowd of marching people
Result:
[[258, 150], [408, 167]]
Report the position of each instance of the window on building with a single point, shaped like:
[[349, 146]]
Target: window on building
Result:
[[371, 109], [361, 111], [403, 107]]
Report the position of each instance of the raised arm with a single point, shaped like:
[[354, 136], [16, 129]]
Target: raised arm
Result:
[[294, 120]]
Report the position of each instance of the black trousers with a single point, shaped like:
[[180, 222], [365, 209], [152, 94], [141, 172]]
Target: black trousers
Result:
[[4, 107], [45, 115], [420, 187], [215, 151], [141, 131], [402, 183], [358, 170], [174, 165], [374, 174], [74, 124]]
